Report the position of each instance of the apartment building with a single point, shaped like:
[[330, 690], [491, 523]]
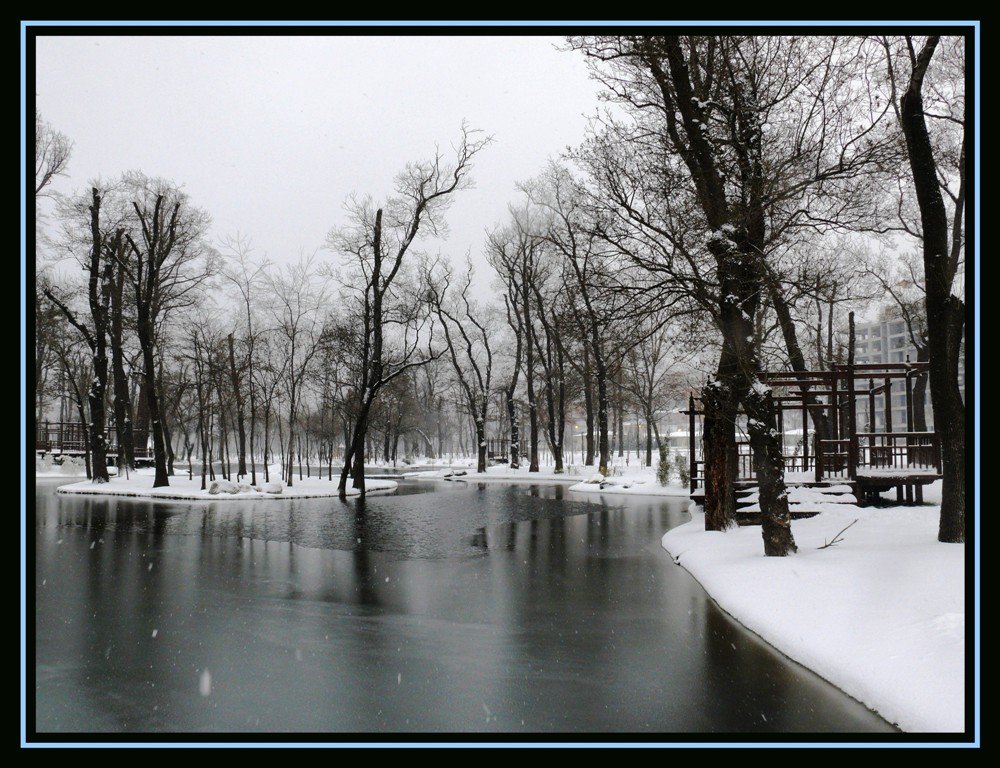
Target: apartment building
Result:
[[887, 341]]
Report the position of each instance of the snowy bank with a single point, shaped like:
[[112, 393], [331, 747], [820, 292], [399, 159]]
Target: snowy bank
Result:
[[881, 615], [637, 484], [182, 488], [640, 482], [500, 472]]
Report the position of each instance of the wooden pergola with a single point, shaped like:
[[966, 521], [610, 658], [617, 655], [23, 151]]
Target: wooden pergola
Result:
[[869, 460]]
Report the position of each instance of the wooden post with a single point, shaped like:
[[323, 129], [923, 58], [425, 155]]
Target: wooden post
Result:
[[852, 426], [871, 417], [909, 415], [805, 433], [691, 444], [834, 410], [781, 428], [871, 405], [909, 399], [888, 405], [819, 458]]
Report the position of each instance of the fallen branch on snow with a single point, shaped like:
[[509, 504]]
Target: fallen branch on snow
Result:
[[836, 539]]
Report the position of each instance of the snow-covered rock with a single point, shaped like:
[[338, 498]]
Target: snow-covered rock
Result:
[[272, 487], [223, 486]]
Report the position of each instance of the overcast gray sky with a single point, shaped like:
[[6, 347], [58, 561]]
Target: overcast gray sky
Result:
[[270, 134]]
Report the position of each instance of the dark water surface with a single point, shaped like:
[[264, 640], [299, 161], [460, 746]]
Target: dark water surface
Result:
[[445, 607]]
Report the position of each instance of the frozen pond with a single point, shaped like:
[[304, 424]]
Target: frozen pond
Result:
[[446, 607]]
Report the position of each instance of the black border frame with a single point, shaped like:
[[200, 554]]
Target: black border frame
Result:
[[502, 28]]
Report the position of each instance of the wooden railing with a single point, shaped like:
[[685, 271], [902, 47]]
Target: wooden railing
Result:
[[798, 462], [744, 461], [832, 459], [899, 451], [68, 437], [63, 436], [696, 478], [794, 462]]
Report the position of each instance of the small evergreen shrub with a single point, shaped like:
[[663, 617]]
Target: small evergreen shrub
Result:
[[680, 462], [663, 467]]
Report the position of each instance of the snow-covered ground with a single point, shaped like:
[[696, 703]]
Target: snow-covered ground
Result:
[[71, 466], [638, 480], [501, 472], [881, 615], [140, 484]]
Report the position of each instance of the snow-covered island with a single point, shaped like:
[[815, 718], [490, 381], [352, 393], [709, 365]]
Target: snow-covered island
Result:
[[139, 485]]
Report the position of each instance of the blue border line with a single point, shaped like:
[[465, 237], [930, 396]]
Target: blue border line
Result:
[[479, 23], [977, 507], [24, 380]]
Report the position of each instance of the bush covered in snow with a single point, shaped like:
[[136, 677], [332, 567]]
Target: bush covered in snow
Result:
[[73, 466], [663, 467], [682, 469]]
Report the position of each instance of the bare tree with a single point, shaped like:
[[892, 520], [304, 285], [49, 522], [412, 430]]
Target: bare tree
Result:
[[100, 270], [245, 274], [650, 365], [943, 245], [269, 373], [200, 352], [48, 321], [467, 335], [52, 152], [122, 401], [77, 367], [510, 251], [164, 236], [570, 229], [762, 135], [551, 301], [298, 296], [377, 242]]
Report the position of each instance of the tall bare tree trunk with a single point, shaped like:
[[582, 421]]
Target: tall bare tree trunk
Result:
[[945, 312], [718, 453], [588, 405], [122, 402], [234, 376]]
